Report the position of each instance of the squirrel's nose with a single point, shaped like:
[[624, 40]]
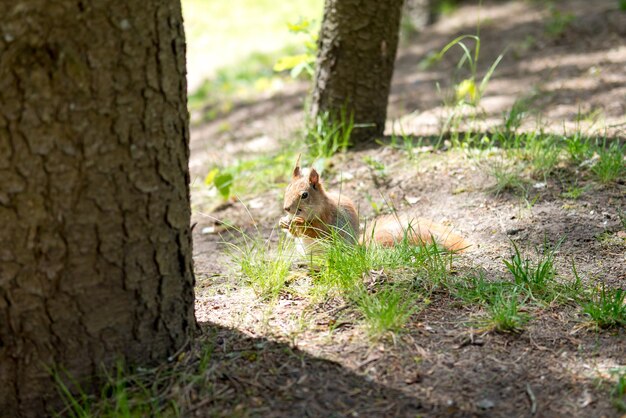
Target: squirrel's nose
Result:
[[287, 208]]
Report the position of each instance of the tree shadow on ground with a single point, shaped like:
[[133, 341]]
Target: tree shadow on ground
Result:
[[257, 377], [252, 376]]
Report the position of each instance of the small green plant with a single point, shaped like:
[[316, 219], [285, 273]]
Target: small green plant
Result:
[[622, 5], [578, 147], [536, 279], [344, 265], [377, 167], [607, 308], [611, 165], [386, 310], [574, 191], [514, 118], [540, 153], [303, 63], [222, 180], [469, 90], [558, 22], [503, 314], [543, 153], [508, 178], [465, 96], [330, 135]]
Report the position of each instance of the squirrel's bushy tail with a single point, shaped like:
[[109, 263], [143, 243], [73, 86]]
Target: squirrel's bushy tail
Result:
[[390, 229]]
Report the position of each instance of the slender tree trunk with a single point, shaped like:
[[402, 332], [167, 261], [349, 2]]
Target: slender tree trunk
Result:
[[95, 242], [357, 49]]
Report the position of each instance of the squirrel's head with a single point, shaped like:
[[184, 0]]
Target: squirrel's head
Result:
[[304, 195]]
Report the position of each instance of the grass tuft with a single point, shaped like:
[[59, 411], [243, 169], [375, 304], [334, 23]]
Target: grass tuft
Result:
[[264, 267], [503, 314], [607, 308], [124, 394], [329, 135], [536, 279], [611, 165], [386, 311]]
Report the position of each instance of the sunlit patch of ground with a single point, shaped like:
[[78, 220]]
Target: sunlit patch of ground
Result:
[[446, 362]]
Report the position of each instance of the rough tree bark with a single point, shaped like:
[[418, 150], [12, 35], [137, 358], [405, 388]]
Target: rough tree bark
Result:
[[357, 49], [95, 241]]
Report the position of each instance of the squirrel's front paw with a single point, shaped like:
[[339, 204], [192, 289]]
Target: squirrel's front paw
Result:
[[292, 224], [284, 222]]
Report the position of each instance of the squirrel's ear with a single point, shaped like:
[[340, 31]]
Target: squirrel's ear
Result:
[[314, 178], [296, 170]]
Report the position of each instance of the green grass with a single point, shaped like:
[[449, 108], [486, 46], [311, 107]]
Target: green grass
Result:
[[386, 311], [477, 290], [558, 21], [579, 147], [537, 279], [514, 118], [242, 80], [264, 266], [611, 165], [508, 177], [607, 308], [253, 176], [381, 283], [355, 273], [503, 314], [125, 394], [345, 264], [328, 135], [536, 157], [574, 192]]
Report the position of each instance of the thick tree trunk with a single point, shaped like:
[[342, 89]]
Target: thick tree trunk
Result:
[[357, 49], [95, 242]]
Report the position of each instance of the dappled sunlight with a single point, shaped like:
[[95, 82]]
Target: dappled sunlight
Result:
[[534, 64], [512, 165]]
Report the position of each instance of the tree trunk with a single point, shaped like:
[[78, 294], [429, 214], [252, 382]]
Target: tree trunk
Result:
[[95, 241], [357, 49]]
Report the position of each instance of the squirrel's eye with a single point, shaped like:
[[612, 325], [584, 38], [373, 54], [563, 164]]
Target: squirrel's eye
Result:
[[304, 195]]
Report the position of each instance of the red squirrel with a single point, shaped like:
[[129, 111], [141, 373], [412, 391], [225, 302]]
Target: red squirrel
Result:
[[313, 214]]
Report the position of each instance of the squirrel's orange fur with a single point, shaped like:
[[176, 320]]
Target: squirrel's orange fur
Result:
[[312, 212]]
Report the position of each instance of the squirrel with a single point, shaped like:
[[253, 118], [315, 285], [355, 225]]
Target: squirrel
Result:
[[314, 214]]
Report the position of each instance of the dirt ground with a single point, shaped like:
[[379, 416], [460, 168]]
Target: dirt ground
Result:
[[290, 359]]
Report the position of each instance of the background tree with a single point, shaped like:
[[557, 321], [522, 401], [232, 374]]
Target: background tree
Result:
[[95, 242], [357, 50]]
